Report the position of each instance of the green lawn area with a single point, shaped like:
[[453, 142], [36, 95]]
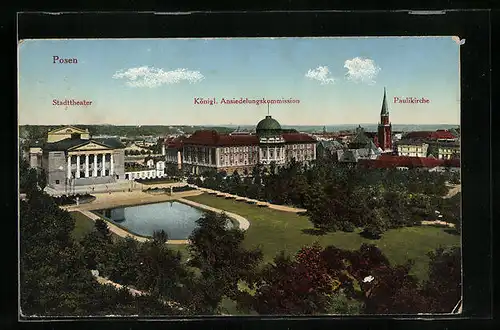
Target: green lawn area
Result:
[[275, 230], [84, 225]]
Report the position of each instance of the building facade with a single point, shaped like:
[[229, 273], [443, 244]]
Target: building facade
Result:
[[448, 150], [412, 148], [71, 157], [210, 150]]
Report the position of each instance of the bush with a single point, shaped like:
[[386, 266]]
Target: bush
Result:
[[347, 226], [372, 232], [183, 188]]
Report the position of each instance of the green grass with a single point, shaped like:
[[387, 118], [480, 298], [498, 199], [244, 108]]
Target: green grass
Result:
[[83, 225], [275, 231]]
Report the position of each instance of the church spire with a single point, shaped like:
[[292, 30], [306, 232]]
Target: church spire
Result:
[[385, 108]]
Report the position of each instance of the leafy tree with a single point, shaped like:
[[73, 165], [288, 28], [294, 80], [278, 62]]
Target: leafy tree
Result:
[[124, 262], [218, 252], [97, 245], [160, 271], [444, 286]]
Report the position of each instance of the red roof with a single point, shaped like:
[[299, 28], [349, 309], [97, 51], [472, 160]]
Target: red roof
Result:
[[297, 137], [389, 161], [175, 143], [213, 138], [440, 134]]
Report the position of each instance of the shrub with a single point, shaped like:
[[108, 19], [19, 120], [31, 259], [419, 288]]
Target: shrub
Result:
[[372, 232], [347, 226]]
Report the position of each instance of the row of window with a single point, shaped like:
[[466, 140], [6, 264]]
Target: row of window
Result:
[[447, 150]]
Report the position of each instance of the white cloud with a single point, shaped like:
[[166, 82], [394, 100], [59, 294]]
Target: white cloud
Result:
[[322, 74], [361, 70], [146, 76]]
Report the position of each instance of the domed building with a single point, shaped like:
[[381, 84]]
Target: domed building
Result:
[[208, 149], [272, 143]]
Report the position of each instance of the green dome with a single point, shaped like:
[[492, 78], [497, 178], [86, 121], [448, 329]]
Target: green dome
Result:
[[268, 124]]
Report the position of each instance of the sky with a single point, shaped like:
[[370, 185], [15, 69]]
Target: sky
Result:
[[156, 81]]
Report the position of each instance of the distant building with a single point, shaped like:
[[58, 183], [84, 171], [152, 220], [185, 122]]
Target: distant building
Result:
[[360, 147], [437, 136], [71, 157], [448, 150], [173, 150], [325, 148], [208, 149], [405, 162], [412, 148]]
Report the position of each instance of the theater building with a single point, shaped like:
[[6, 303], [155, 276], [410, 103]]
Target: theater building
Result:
[[70, 157], [210, 150]]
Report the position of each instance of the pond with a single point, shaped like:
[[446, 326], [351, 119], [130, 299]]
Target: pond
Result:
[[177, 219]]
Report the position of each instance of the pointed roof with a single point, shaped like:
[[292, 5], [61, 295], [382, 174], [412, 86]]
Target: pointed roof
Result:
[[385, 108]]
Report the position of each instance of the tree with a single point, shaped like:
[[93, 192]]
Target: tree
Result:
[[124, 262], [296, 287], [218, 252], [444, 286], [97, 246], [42, 179], [393, 291], [160, 271]]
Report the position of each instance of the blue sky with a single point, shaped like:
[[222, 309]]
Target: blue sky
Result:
[[155, 81]]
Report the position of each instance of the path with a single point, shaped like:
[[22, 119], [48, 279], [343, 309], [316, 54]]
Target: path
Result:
[[116, 199], [134, 292], [454, 189], [272, 206]]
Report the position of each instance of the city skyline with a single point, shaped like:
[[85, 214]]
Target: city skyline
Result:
[[157, 82]]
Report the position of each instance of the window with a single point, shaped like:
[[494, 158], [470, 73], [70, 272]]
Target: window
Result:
[[57, 181]]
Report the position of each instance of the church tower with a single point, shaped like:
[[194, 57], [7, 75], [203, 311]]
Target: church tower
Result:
[[384, 135]]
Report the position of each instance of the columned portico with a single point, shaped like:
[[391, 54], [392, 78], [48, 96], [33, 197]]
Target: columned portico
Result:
[[87, 165], [90, 167], [111, 172], [68, 175], [94, 174], [103, 168], [77, 166]]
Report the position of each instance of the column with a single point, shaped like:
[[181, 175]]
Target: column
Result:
[[276, 153], [103, 169], [87, 165], [69, 167], [95, 165], [77, 166], [111, 170]]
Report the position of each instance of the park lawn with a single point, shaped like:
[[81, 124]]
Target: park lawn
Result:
[[84, 225], [275, 231]]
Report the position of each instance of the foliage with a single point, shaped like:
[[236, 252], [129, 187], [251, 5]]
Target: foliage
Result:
[[339, 197], [54, 278], [334, 281], [218, 252], [444, 285]]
